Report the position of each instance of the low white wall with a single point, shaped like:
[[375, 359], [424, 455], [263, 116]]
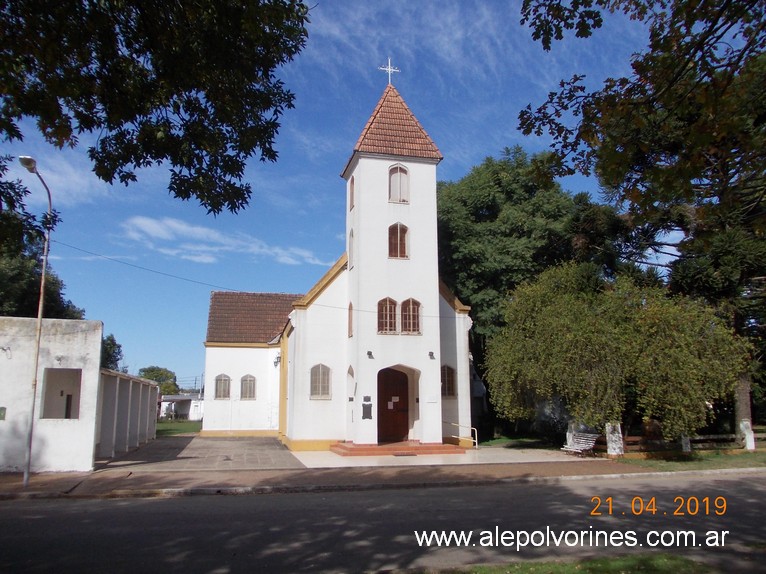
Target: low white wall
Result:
[[76, 402], [59, 444]]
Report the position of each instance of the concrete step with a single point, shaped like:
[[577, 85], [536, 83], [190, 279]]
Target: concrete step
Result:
[[407, 448]]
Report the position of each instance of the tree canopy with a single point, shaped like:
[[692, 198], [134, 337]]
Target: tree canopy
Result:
[[688, 125], [111, 353], [498, 228], [611, 348], [165, 377], [189, 84], [681, 141], [507, 221], [20, 274], [679, 145]]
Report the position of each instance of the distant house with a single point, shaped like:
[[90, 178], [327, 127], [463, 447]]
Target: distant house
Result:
[[377, 350], [182, 407], [82, 412]]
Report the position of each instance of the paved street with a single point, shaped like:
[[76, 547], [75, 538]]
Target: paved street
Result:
[[371, 531]]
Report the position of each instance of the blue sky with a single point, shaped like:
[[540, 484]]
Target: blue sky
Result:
[[467, 68]]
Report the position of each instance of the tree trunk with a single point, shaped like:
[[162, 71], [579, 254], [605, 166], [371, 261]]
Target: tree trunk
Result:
[[742, 403]]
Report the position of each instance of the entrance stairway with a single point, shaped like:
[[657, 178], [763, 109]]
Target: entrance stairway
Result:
[[406, 448]]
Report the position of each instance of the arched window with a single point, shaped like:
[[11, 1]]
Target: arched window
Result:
[[410, 316], [351, 194], [350, 249], [387, 316], [247, 388], [448, 381], [398, 184], [350, 320], [397, 241], [222, 387], [320, 382]]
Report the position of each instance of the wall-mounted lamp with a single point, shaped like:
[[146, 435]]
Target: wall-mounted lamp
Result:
[[277, 360], [431, 355], [7, 351], [369, 355]]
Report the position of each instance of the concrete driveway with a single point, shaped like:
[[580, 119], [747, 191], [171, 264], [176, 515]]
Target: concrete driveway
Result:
[[193, 453]]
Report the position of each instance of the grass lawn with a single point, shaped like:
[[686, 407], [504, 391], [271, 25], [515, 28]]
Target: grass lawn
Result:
[[655, 563], [703, 460], [169, 428], [518, 442]]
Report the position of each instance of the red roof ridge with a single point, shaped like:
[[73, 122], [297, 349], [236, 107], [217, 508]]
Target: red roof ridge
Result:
[[242, 317], [394, 130]]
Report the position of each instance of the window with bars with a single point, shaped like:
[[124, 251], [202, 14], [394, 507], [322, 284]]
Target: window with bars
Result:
[[247, 388], [320, 382], [448, 381], [411, 316], [222, 387], [398, 184], [397, 241], [387, 316]]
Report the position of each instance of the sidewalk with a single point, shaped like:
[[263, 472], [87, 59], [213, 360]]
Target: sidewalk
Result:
[[182, 466]]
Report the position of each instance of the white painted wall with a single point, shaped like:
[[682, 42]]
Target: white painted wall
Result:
[[234, 414], [320, 337], [456, 354]]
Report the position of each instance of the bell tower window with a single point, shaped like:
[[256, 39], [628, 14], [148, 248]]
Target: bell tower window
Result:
[[398, 184], [397, 241], [411, 316], [387, 316]]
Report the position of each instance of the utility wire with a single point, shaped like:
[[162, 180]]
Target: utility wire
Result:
[[144, 268], [424, 315]]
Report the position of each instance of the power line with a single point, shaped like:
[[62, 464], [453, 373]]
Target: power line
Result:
[[144, 268], [424, 315]]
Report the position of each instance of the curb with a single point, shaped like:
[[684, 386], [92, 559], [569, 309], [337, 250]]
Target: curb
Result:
[[296, 489]]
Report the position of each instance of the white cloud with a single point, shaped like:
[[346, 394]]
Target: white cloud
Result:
[[199, 244]]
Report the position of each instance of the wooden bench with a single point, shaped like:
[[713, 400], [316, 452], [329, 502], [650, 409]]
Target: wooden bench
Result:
[[581, 443]]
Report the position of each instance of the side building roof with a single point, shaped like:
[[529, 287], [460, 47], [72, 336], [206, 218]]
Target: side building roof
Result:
[[238, 318]]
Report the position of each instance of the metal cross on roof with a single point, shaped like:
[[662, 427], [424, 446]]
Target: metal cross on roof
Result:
[[390, 69]]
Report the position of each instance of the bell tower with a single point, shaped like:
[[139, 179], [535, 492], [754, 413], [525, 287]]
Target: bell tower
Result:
[[394, 378]]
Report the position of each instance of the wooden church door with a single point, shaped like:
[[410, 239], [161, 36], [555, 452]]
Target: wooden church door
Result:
[[393, 406]]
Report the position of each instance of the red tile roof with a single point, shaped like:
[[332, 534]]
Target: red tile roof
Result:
[[393, 130], [247, 317]]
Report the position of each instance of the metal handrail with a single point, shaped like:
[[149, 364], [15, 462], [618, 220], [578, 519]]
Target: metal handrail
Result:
[[474, 433]]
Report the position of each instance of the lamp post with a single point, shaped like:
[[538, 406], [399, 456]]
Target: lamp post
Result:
[[31, 166]]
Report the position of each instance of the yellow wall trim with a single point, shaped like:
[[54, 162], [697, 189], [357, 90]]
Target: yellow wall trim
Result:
[[229, 433], [308, 444], [322, 284], [451, 298]]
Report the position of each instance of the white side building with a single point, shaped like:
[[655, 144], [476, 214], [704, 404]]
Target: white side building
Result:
[[81, 411], [377, 351]]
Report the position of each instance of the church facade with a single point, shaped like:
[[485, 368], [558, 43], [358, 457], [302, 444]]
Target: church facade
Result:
[[377, 351]]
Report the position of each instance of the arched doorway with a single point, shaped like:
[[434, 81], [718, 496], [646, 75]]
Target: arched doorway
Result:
[[393, 406]]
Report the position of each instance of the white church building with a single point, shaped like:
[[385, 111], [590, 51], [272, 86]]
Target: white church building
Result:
[[377, 351]]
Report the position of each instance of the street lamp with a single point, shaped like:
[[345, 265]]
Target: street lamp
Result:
[[31, 166]]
